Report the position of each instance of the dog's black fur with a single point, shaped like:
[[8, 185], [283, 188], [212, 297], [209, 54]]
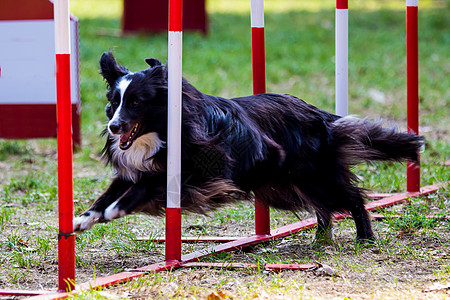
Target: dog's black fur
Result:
[[290, 154]]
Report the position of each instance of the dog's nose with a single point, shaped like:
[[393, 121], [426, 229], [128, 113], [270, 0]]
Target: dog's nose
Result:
[[114, 127]]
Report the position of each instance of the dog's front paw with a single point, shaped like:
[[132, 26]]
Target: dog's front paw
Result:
[[86, 220]]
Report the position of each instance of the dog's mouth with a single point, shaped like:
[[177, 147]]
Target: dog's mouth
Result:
[[127, 139]]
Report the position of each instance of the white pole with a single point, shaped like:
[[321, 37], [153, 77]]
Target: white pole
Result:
[[174, 119], [341, 75]]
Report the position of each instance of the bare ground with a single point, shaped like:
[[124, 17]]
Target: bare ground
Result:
[[409, 262]]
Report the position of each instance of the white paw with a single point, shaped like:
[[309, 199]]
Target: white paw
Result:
[[113, 212], [86, 220]]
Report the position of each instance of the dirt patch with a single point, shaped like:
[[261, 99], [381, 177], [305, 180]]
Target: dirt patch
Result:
[[371, 272], [409, 260]]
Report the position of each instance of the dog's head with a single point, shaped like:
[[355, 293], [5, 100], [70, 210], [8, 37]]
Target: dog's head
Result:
[[137, 101]]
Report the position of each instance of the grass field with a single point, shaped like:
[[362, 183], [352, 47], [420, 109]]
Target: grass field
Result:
[[411, 256]]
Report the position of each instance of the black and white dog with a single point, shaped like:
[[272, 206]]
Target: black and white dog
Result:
[[285, 152]]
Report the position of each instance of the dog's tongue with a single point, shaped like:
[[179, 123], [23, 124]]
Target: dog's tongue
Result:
[[124, 137]]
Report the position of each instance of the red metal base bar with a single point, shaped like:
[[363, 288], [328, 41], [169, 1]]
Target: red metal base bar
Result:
[[24, 293], [381, 217], [402, 197], [112, 279], [193, 239], [230, 246], [248, 266], [380, 195]]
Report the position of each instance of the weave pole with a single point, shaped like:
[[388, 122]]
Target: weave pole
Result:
[[173, 210], [412, 87], [341, 58], [66, 237], [262, 211]]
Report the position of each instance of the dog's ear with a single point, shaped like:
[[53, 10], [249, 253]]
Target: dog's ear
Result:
[[110, 69], [152, 62]]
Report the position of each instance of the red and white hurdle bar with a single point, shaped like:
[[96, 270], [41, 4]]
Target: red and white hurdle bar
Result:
[[262, 211], [412, 86], [66, 237], [174, 65]]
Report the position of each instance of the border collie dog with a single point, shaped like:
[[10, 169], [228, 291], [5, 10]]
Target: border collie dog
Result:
[[277, 148]]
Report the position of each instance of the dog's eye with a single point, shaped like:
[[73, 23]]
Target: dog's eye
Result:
[[135, 103], [115, 103]]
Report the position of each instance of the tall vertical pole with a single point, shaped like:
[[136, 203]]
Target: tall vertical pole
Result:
[[262, 212], [412, 86], [173, 210], [341, 58], [66, 237]]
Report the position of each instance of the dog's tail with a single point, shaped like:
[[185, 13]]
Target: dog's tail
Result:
[[364, 140]]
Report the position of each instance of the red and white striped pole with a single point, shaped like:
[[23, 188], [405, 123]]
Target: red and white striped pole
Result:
[[262, 212], [174, 64], [341, 58], [412, 86], [66, 237]]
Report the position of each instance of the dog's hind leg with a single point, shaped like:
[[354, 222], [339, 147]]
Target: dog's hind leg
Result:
[[364, 233], [351, 200], [354, 203], [336, 193], [324, 232], [95, 213]]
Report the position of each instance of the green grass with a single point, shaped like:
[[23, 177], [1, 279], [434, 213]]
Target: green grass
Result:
[[300, 61]]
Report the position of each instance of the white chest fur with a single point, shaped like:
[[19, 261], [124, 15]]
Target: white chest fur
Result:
[[138, 158]]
